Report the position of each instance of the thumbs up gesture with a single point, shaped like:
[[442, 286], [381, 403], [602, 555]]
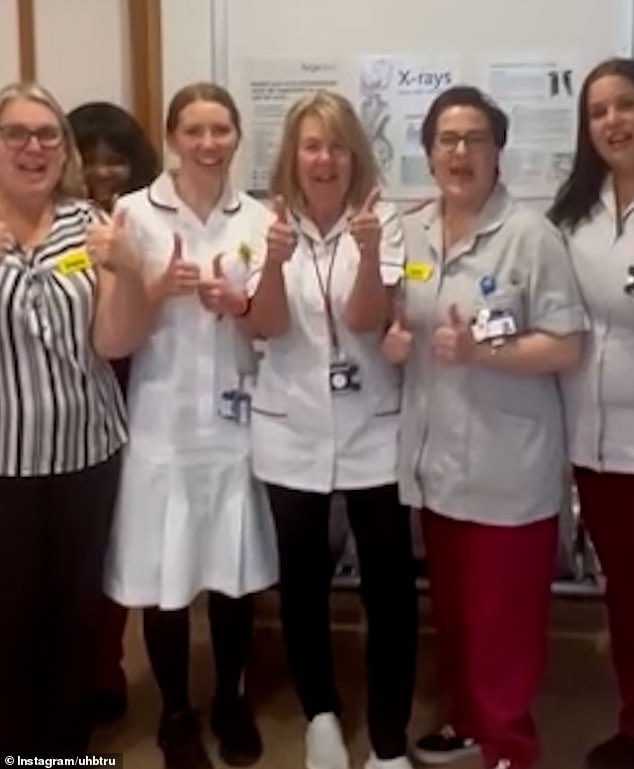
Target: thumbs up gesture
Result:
[[218, 296], [365, 227], [397, 342], [180, 278], [108, 245], [452, 342], [281, 239]]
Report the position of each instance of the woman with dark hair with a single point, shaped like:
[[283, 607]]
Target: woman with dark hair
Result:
[[493, 310], [594, 210], [117, 158]]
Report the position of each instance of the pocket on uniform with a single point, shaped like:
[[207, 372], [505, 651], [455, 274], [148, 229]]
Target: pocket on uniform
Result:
[[509, 299]]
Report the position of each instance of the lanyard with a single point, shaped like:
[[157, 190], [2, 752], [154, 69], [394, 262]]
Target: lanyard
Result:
[[325, 290]]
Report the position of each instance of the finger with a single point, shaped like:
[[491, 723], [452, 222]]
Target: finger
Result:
[[279, 209], [455, 318], [400, 319], [119, 218], [216, 267], [177, 249], [373, 198]]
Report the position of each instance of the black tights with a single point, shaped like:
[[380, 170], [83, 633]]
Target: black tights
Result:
[[167, 641]]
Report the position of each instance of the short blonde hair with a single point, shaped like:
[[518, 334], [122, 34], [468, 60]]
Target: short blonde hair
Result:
[[341, 121], [71, 184]]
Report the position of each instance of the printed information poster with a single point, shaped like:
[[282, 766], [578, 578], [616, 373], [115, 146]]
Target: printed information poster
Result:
[[539, 95], [269, 88], [395, 93]]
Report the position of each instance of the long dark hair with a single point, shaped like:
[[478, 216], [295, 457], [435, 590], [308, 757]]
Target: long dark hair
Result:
[[580, 192], [98, 122]]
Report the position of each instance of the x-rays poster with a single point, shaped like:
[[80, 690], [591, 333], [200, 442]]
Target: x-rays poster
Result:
[[539, 95], [394, 95]]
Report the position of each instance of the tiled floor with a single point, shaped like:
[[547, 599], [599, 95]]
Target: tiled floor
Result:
[[574, 710]]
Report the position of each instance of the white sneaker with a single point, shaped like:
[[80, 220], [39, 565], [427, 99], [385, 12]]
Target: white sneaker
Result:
[[402, 762], [325, 748]]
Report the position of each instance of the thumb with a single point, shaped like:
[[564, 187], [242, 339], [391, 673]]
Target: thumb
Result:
[[279, 209], [177, 250], [373, 198], [119, 218], [455, 319], [400, 320], [216, 266]]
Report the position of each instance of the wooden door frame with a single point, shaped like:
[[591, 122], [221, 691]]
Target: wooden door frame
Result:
[[145, 45], [26, 40]]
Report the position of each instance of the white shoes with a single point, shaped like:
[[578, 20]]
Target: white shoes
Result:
[[325, 748], [402, 762]]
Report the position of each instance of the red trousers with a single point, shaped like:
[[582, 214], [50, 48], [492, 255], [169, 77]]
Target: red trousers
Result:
[[490, 595], [606, 500], [108, 674]]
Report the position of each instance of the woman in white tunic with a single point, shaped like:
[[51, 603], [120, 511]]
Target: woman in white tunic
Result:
[[325, 418], [190, 517]]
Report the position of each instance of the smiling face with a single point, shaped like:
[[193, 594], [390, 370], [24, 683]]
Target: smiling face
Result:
[[323, 166], [464, 158], [33, 149], [610, 109], [205, 139]]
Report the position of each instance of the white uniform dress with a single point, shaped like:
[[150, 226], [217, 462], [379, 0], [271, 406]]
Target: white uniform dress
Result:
[[190, 516]]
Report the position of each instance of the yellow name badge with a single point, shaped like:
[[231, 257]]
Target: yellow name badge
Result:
[[76, 261], [418, 271]]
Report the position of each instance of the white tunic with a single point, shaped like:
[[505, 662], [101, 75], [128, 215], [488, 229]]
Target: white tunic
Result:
[[190, 516], [304, 437]]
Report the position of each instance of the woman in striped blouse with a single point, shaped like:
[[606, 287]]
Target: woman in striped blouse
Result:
[[71, 296]]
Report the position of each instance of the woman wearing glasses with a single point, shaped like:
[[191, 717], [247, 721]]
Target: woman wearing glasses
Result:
[[70, 297], [494, 314]]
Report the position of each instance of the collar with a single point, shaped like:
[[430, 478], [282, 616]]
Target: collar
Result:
[[307, 227], [162, 194], [607, 198], [492, 216]]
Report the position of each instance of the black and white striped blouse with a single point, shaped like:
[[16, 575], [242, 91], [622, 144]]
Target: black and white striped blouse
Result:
[[60, 406]]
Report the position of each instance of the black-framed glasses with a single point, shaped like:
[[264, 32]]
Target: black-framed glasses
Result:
[[473, 140], [16, 136]]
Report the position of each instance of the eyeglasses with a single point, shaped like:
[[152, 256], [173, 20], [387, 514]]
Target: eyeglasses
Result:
[[473, 140], [16, 136]]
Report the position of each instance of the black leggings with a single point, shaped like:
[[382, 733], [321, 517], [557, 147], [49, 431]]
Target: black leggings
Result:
[[53, 536], [167, 640], [382, 531]]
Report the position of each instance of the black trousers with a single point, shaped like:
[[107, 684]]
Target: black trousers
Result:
[[381, 528], [53, 536]]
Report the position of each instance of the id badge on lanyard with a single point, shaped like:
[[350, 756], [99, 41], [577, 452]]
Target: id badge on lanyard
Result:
[[235, 405], [344, 375]]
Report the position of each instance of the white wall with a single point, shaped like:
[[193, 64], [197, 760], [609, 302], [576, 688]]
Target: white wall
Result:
[[88, 63], [9, 46], [186, 43]]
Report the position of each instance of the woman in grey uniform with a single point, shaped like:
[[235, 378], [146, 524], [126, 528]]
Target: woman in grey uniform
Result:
[[594, 210], [493, 311]]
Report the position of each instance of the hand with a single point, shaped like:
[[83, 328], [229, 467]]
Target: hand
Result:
[[397, 342], [180, 278], [452, 342], [281, 240], [365, 227], [108, 245], [219, 296]]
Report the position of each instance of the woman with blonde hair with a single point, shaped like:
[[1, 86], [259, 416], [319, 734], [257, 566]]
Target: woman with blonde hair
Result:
[[71, 296], [325, 418]]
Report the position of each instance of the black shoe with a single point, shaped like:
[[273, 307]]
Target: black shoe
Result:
[[233, 723], [444, 747], [615, 753], [107, 707], [179, 739]]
